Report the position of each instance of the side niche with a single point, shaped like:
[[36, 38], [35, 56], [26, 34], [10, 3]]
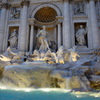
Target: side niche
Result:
[[81, 34], [13, 37], [15, 13]]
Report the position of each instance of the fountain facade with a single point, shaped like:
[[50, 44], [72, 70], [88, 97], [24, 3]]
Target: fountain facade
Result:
[[44, 46], [68, 23]]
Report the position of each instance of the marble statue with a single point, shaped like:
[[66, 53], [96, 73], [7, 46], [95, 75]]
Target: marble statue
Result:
[[60, 54], [80, 36], [73, 54], [40, 56], [13, 39], [43, 39]]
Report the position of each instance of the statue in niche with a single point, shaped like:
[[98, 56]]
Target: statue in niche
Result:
[[80, 36], [13, 39], [79, 8], [15, 13], [42, 37]]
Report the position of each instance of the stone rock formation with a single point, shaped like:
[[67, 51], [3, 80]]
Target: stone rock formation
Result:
[[45, 70], [24, 76]]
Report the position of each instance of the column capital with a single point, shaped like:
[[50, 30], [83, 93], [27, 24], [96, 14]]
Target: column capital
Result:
[[5, 5], [31, 21], [92, 0], [59, 19], [78, 0], [66, 0], [25, 3]]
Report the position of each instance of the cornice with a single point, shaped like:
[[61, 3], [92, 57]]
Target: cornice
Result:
[[82, 0], [5, 5]]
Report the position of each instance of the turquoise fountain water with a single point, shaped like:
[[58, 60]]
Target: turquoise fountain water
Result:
[[46, 94]]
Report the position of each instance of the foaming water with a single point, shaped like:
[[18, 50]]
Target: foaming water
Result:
[[31, 90], [45, 94]]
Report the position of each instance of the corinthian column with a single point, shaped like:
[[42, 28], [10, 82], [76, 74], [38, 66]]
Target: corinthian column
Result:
[[59, 35], [94, 25], [31, 38], [23, 26], [66, 25], [2, 24]]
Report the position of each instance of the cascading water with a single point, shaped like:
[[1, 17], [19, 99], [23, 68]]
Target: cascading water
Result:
[[68, 85]]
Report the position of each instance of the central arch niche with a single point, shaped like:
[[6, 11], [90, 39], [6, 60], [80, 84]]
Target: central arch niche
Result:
[[45, 15]]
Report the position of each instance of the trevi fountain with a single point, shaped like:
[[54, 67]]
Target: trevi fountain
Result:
[[50, 45]]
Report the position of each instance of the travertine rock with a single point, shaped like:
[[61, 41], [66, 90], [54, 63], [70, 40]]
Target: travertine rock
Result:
[[2, 67], [60, 74], [40, 73], [3, 64], [95, 81], [29, 76], [96, 68]]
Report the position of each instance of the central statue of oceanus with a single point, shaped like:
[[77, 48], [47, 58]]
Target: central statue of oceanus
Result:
[[43, 39]]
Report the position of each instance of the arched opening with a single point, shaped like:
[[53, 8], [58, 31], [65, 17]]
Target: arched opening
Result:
[[46, 5], [45, 15]]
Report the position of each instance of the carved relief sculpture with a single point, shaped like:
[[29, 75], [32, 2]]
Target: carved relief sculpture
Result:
[[80, 36], [15, 13], [98, 9], [79, 8], [13, 39]]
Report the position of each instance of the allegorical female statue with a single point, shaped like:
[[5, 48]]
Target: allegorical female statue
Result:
[[43, 39], [80, 36], [13, 39]]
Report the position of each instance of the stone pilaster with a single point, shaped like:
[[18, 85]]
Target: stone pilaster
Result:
[[94, 25], [4, 6], [23, 26], [66, 25]]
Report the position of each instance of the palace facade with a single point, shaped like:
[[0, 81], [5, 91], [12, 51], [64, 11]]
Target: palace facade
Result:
[[62, 19]]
